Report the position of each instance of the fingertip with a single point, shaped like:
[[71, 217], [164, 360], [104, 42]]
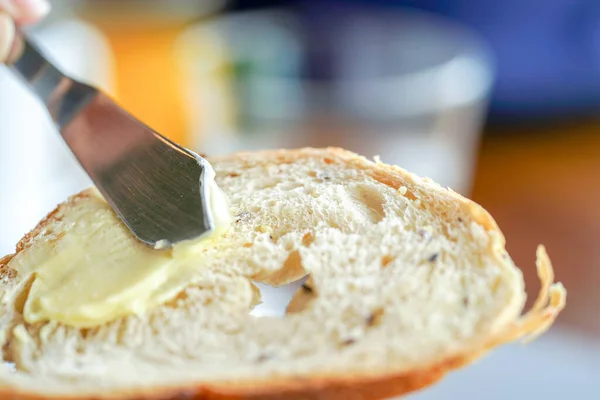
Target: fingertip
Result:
[[26, 11], [7, 34], [16, 49]]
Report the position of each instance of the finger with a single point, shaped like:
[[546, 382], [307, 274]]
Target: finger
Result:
[[16, 50], [7, 35], [25, 11]]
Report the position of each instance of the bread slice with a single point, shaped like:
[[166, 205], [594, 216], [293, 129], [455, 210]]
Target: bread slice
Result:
[[406, 281]]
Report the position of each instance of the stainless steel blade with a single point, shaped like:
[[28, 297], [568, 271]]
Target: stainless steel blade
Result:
[[158, 188]]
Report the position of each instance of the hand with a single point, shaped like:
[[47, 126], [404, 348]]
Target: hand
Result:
[[17, 12]]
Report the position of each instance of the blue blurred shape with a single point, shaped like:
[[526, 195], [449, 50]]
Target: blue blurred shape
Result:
[[547, 51]]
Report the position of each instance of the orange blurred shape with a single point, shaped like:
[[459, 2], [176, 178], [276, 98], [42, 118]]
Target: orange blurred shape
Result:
[[148, 81]]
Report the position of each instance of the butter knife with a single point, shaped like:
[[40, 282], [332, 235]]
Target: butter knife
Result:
[[158, 188]]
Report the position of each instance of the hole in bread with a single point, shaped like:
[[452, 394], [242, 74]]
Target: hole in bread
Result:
[[278, 288], [276, 301], [281, 291], [291, 269], [369, 201]]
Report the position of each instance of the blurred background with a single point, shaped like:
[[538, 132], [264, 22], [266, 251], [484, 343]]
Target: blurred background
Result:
[[500, 100]]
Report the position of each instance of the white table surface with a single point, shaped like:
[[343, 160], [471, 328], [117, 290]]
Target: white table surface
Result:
[[559, 365]]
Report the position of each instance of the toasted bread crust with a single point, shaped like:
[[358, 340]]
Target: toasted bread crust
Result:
[[317, 388], [379, 386]]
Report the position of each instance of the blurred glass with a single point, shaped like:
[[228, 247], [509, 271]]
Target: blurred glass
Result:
[[408, 86]]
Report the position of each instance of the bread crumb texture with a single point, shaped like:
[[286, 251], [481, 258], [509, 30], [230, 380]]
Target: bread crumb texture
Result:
[[407, 280]]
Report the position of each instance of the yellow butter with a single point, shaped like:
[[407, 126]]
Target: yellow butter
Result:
[[97, 271]]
